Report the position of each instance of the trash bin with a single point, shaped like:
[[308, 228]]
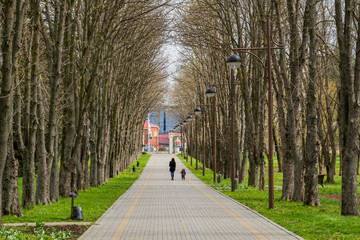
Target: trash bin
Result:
[[77, 213], [219, 178], [236, 183]]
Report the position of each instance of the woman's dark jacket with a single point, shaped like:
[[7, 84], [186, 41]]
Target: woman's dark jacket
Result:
[[172, 166]]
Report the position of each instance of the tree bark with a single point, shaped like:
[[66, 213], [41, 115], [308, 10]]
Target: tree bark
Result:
[[277, 150], [42, 195], [10, 191], [6, 86], [55, 55], [69, 128], [28, 199], [349, 107], [312, 143], [54, 177]]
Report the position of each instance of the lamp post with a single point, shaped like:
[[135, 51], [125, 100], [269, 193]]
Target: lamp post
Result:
[[149, 133], [203, 144], [177, 139], [203, 138], [268, 48], [210, 92], [233, 62], [190, 119], [182, 142], [185, 122], [197, 112], [172, 145]]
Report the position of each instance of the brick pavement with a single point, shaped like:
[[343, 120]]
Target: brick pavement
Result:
[[157, 208]]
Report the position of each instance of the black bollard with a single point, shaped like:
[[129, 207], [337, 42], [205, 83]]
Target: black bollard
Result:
[[219, 178], [72, 196]]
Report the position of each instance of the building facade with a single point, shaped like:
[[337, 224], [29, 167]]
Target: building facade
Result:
[[151, 132]]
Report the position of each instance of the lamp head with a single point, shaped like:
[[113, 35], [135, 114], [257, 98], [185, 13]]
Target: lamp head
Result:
[[234, 61], [197, 111], [210, 92]]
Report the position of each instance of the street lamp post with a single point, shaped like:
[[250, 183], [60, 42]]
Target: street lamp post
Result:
[[149, 133], [190, 119], [210, 92], [185, 122], [197, 112], [203, 137], [172, 145], [182, 139], [203, 144], [232, 121], [191, 144], [269, 48], [233, 62], [196, 140]]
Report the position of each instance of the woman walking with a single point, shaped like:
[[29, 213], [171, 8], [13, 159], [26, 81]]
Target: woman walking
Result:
[[172, 166]]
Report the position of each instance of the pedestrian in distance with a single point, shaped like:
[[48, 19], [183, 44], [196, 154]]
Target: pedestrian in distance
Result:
[[183, 173], [172, 166]]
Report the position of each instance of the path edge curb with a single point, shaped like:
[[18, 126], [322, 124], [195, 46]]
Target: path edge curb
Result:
[[248, 208], [119, 198]]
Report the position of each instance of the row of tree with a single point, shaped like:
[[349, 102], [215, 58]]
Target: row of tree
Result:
[[77, 81], [316, 84]]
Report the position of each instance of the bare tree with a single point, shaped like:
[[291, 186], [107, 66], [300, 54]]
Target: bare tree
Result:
[[349, 99], [312, 143]]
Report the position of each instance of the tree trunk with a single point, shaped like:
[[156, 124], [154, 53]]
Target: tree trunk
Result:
[[349, 109], [93, 152], [241, 148], [277, 150], [55, 55], [28, 199], [253, 178], [6, 86], [283, 86], [331, 131], [54, 178], [243, 165], [10, 191], [69, 129], [42, 194], [312, 143]]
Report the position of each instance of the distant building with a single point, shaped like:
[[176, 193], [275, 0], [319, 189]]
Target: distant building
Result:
[[174, 143], [164, 141], [153, 135], [164, 118]]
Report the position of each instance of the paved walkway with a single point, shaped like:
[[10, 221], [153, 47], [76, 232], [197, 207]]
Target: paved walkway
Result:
[[157, 208]]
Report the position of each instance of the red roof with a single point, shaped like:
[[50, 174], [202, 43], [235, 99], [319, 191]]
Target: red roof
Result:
[[163, 138], [151, 125]]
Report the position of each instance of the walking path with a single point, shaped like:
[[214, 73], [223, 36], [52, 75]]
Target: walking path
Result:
[[157, 208]]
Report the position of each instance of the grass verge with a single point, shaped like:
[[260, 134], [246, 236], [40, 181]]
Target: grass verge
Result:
[[324, 222], [94, 201]]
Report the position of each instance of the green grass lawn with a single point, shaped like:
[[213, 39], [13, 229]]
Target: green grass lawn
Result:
[[94, 201], [324, 222]]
